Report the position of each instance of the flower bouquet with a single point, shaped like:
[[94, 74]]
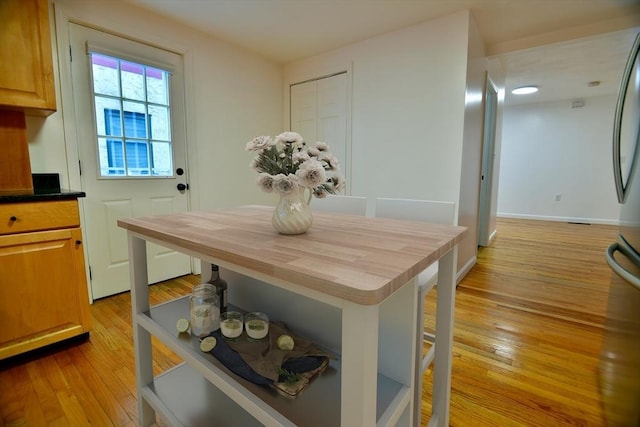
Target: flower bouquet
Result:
[[287, 165]]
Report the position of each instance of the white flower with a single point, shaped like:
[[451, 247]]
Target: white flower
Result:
[[285, 184], [332, 161], [311, 173], [300, 157], [319, 193], [293, 138], [265, 182], [322, 146], [286, 162], [259, 143], [338, 182]]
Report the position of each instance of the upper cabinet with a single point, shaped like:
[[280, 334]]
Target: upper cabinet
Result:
[[26, 65]]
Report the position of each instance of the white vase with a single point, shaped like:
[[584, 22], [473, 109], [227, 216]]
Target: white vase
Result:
[[292, 214]]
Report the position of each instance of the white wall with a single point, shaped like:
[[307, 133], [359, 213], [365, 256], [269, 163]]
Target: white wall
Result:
[[407, 108], [550, 149], [232, 95]]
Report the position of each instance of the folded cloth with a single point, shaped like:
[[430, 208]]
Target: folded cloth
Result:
[[234, 362], [261, 361]]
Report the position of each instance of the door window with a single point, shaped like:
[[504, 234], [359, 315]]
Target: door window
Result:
[[133, 118]]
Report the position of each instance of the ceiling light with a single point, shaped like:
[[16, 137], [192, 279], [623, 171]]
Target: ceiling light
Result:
[[524, 90]]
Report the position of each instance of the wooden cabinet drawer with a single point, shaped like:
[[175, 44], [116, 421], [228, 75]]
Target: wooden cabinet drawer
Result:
[[34, 216]]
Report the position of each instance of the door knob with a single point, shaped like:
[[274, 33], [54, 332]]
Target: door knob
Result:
[[182, 187]]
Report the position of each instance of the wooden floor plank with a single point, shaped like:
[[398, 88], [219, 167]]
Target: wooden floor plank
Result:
[[44, 392], [96, 385], [529, 324]]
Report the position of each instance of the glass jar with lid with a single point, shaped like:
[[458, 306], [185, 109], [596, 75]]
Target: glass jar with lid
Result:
[[204, 305]]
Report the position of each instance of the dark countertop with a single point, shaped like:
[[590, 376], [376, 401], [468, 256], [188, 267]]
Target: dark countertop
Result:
[[42, 195]]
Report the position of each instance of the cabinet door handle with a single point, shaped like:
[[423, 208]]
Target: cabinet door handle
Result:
[[13, 218], [78, 242]]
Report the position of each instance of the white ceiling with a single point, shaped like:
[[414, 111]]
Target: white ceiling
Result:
[[517, 32], [563, 70]]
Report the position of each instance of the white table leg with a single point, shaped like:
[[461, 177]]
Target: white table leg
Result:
[[359, 364], [141, 338], [444, 338], [417, 409], [398, 357]]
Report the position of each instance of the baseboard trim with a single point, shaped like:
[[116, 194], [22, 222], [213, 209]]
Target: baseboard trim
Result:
[[492, 236], [560, 218], [465, 269]]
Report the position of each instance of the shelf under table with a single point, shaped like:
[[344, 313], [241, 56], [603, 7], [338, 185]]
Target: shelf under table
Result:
[[192, 401], [317, 405]]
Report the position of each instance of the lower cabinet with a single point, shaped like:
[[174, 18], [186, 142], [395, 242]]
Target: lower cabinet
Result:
[[43, 286]]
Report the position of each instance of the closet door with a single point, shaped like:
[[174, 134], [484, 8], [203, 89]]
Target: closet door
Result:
[[304, 110], [319, 113]]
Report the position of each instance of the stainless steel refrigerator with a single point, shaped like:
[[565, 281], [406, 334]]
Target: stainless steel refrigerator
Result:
[[620, 355]]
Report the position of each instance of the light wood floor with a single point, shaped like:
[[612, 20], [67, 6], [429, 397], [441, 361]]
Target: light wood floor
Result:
[[529, 321]]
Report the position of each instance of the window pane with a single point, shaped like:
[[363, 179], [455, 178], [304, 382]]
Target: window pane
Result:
[[137, 158], [162, 159], [160, 125], [135, 120], [111, 156], [108, 116], [105, 75], [132, 80], [135, 107], [113, 122], [157, 86]]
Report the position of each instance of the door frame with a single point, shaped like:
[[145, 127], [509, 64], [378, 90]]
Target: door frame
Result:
[[62, 73], [487, 164]]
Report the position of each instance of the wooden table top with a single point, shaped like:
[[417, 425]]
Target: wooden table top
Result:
[[355, 258]]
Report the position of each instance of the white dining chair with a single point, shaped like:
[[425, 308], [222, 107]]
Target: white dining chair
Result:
[[436, 212], [338, 203]]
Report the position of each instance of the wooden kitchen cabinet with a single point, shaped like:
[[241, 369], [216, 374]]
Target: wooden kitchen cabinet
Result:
[[26, 64], [43, 286], [15, 165]]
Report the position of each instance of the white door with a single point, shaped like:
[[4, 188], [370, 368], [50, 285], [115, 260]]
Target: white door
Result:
[[319, 113], [304, 110], [488, 159], [129, 109]]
